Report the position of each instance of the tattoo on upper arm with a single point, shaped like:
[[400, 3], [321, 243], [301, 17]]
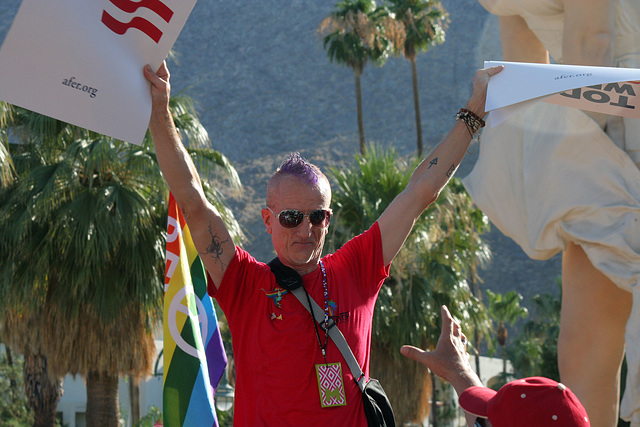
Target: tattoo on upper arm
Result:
[[215, 248], [433, 162], [451, 170]]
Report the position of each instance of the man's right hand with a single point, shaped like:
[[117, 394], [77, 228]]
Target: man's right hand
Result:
[[160, 88]]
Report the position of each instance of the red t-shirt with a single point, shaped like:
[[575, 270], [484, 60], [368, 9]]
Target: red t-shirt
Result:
[[274, 341]]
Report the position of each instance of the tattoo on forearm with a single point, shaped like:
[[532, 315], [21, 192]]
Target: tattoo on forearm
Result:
[[433, 162], [215, 248], [451, 170]]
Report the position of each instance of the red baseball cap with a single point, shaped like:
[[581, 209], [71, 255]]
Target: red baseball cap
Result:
[[528, 402]]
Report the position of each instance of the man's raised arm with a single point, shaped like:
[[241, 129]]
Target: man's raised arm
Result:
[[208, 231], [433, 173]]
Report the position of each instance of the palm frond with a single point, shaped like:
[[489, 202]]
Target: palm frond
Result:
[[356, 32], [424, 23], [6, 114], [185, 117], [216, 198], [7, 171], [215, 164]]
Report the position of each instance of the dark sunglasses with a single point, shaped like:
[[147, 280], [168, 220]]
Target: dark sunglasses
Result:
[[291, 218]]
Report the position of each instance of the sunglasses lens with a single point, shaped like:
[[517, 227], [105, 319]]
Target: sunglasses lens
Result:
[[290, 218], [318, 217]]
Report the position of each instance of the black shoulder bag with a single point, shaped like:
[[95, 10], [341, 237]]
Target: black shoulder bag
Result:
[[376, 404]]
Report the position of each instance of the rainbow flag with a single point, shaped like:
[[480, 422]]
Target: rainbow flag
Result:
[[194, 357]]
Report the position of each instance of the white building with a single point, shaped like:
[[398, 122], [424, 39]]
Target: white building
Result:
[[73, 404]]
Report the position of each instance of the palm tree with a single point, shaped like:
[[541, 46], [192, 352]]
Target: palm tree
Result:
[[535, 349], [424, 23], [353, 34], [505, 309], [42, 389], [429, 271], [82, 250]]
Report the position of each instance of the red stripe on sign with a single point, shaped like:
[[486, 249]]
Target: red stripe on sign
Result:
[[138, 23], [155, 5]]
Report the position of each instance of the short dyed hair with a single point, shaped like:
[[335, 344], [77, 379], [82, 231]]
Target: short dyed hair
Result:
[[296, 166], [299, 167]]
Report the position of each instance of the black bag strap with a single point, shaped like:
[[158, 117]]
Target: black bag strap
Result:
[[287, 276]]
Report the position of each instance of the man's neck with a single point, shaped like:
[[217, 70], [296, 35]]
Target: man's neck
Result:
[[305, 269]]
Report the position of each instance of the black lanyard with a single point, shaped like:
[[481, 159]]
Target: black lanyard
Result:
[[323, 348]]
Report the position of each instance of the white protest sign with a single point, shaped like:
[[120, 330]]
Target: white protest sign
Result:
[[607, 90], [80, 61]]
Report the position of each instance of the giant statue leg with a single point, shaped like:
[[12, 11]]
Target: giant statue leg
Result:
[[591, 341]]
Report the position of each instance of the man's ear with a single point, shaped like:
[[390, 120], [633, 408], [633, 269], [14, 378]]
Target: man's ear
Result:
[[267, 217]]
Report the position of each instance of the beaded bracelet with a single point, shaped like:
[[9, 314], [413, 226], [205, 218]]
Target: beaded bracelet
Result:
[[471, 120]]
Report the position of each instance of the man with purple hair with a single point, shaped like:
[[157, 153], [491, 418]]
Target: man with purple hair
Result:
[[288, 372]]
